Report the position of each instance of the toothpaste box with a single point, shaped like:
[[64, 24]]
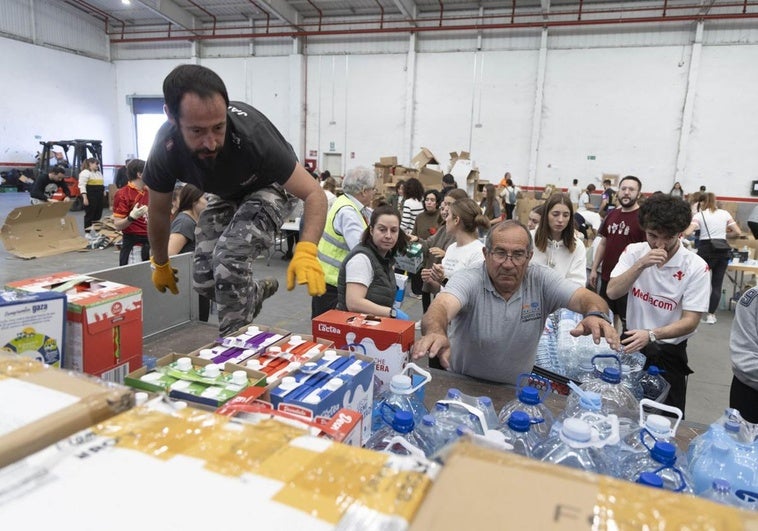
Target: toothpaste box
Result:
[[33, 325]]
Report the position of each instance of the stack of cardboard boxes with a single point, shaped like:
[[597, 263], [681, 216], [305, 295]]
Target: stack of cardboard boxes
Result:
[[427, 169]]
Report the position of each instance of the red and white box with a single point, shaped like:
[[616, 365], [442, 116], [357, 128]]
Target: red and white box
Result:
[[104, 323], [388, 341], [250, 406]]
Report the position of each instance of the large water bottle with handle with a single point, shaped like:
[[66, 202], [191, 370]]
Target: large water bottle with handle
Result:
[[661, 461], [616, 398], [652, 427], [573, 446], [397, 437], [517, 432], [654, 386], [531, 401], [401, 396]]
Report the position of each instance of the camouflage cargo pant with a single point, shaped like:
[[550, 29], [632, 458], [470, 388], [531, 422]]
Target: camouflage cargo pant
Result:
[[229, 237]]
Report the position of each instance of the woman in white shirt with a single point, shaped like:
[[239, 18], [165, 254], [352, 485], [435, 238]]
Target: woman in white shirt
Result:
[[462, 222], [713, 224], [555, 241]]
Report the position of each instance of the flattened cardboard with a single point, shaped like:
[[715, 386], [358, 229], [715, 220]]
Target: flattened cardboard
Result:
[[41, 230], [98, 401]]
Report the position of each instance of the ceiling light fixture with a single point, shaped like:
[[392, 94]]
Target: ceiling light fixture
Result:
[[126, 2]]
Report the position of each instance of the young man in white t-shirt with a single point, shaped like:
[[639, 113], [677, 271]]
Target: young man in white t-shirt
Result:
[[668, 287]]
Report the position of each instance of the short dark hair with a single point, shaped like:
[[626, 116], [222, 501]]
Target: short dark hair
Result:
[[666, 214], [134, 167], [57, 170], [632, 178], [191, 78], [386, 210], [448, 179], [413, 189]]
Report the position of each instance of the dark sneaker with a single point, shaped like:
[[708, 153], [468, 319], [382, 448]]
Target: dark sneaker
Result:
[[265, 288]]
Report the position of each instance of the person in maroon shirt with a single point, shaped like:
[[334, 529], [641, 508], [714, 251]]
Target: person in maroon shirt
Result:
[[619, 228], [129, 213]]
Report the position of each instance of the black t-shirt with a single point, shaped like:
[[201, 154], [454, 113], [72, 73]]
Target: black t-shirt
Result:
[[44, 188], [255, 155]]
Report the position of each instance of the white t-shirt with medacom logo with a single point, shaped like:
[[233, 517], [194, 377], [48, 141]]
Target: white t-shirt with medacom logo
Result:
[[660, 294]]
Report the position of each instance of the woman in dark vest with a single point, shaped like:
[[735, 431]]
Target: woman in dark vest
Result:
[[366, 281]]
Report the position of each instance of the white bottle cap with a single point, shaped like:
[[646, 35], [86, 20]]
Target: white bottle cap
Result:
[[207, 353], [310, 367], [184, 364], [334, 384], [658, 424], [248, 352], [253, 364], [140, 398], [253, 330], [330, 355], [296, 340], [288, 382], [211, 370], [274, 350], [239, 377]]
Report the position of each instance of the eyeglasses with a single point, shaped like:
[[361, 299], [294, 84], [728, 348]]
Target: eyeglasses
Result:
[[500, 256]]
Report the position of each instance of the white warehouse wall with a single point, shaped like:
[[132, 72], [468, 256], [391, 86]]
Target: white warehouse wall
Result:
[[619, 98]]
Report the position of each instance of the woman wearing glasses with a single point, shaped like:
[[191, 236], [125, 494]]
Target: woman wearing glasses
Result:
[[555, 241]]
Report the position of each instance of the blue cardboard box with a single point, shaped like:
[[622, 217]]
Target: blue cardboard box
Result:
[[34, 325]]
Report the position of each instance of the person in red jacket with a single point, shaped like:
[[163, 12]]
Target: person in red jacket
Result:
[[130, 213]]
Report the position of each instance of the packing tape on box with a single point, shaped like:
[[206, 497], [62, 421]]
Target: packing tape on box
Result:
[[319, 477]]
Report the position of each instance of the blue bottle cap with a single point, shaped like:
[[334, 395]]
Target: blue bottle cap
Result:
[[529, 395], [664, 453], [428, 420], [519, 421], [591, 401], [611, 375], [441, 407], [453, 393], [650, 479], [653, 370], [485, 401], [403, 421]]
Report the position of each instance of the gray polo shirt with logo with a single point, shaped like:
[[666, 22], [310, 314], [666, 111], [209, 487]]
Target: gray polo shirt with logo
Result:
[[495, 339]]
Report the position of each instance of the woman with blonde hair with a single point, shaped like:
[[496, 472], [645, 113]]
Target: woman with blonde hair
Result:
[[555, 241], [92, 188], [715, 226]]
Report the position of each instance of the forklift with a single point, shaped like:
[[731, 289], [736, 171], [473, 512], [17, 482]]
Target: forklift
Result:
[[75, 152]]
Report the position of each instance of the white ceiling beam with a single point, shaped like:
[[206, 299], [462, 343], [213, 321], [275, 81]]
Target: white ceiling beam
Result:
[[407, 8], [282, 10], [171, 12]]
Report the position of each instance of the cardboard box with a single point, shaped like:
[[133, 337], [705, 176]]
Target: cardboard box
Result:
[[271, 473], [388, 161], [480, 488], [137, 379], [41, 405], [404, 172], [33, 325], [388, 341], [430, 178], [41, 230], [422, 158], [356, 392], [383, 173], [213, 351], [104, 323], [344, 426]]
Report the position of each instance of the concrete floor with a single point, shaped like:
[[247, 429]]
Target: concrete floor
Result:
[[708, 392]]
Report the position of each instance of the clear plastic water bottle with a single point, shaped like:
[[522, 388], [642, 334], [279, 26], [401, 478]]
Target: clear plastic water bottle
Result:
[[585, 370], [529, 400], [430, 435], [397, 437], [572, 447], [450, 417], [660, 460], [401, 396], [720, 491], [630, 380], [517, 432], [481, 404], [617, 399], [718, 461], [653, 384]]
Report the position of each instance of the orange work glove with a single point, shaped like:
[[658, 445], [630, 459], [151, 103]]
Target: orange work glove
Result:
[[164, 276], [306, 267]]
